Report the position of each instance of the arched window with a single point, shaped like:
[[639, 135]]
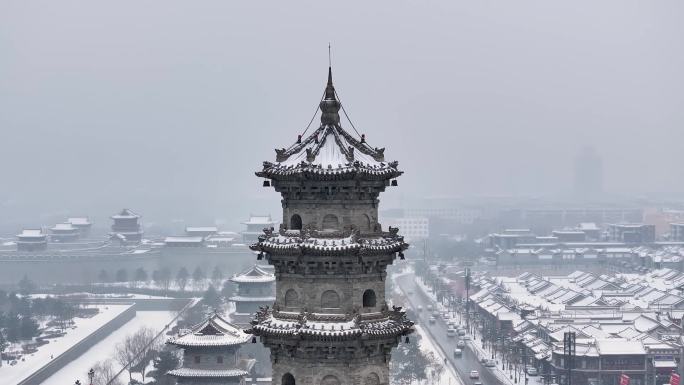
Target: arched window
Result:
[[295, 222], [368, 298], [330, 222], [287, 379], [372, 379], [291, 298], [330, 380], [330, 299], [366, 223]]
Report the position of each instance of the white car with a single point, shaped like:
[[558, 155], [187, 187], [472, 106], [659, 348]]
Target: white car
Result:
[[532, 371], [474, 374], [451, 332]]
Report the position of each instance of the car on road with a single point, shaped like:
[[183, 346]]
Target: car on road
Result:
[[460, 344], [436, 314], [420, 308], [474, 374], [458, 353], [429, 307], [477, 383], [410, 292], [461, 332], [432, 320], [451, 332], [465, 338], [490, 363], [532, 371]]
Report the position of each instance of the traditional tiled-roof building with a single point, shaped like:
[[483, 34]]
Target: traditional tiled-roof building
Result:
[[127, 226], [330, 323], [255, 289], [255, 226], [211, 354]]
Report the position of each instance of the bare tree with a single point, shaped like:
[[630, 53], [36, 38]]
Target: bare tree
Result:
[[134, 353], [182, 278], [124, 355], [105, 374]]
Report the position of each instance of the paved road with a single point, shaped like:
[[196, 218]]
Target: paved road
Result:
[[464, 364]]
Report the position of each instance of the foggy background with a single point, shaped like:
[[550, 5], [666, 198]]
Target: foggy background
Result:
[[168, 107]]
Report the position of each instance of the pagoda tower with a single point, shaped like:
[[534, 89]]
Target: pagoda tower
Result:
[[330, 323], [211, 354], [254, 291]]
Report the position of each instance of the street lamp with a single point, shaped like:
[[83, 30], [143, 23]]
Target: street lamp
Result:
[[91, 374]]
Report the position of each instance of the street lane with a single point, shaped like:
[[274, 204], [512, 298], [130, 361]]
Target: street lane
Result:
[[469, 360]]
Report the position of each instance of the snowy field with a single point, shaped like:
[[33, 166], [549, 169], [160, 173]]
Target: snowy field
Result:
[[77, 369], [10, 375]]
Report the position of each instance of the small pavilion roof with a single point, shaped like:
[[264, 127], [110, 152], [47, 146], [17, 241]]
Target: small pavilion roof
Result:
[[213, 332], [79, 221], [259, 220], [31, 233], [125, 214], [207, 373], [255, 274], [63, 227]]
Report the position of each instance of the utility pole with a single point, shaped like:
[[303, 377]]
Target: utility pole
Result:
[[569, 353], [467, 306]]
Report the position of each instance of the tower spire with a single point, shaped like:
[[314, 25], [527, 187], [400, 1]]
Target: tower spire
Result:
[[330, 106]]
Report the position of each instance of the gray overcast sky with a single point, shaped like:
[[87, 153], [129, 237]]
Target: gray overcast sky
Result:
[[168, 107]]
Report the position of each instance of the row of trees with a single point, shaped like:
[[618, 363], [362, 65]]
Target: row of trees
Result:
[[164, 278]]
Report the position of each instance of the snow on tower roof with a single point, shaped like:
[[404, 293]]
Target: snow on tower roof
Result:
[[255, 274], [31, 233], [124, 214], [214, 331], [207, 373], [63, 227], [259, 220], [330, 151]]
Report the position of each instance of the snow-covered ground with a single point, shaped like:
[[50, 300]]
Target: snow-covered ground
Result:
[[449, 376], [103, 350], [10, 375]]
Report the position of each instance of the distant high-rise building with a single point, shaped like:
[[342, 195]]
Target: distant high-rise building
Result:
[[588, 173]]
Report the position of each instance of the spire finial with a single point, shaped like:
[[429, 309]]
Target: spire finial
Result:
[[329, 56]]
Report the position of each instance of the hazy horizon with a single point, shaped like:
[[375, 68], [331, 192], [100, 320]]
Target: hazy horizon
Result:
[[169, 107]]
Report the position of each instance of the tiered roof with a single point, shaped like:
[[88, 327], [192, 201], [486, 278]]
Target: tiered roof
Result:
[[332, 327], [330, 152], [256, 274], [125, 214], [213, 332], [207, 373], [302, 242]]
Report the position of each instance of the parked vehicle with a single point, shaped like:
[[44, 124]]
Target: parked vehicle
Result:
[[420, 308], [436, 314], [460, 344], [451, 332], [461, 332], [474, 374], [477, 383], [465, 338], [458, 353], [429, 307], [490, 363], [532, 371], [432, 320]]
